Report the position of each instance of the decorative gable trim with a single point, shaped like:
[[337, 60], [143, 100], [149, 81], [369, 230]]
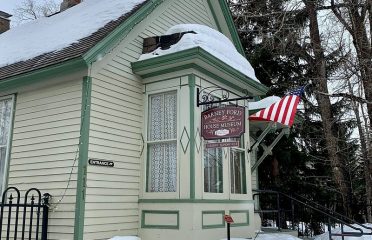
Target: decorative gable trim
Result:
[[199, 59], [56, 70], [227, 17], [116, 36]]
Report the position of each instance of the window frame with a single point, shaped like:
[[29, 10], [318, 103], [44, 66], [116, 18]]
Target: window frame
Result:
[[226, 168], [146, 143], [5, 174]]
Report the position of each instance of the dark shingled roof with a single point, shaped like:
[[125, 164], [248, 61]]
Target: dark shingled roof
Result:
[[73, 51]]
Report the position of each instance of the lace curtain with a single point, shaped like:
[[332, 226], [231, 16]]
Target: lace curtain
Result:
[[162, 145], [5, 121]]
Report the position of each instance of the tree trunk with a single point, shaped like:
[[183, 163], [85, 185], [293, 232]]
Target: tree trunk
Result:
[[319, 70], [364, 52], [365, 153]]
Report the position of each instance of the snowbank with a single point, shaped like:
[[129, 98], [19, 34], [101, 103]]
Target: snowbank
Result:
[[276, 236], [271, 236], [61, 30], [325, 235], [125, 238], [211, 41]]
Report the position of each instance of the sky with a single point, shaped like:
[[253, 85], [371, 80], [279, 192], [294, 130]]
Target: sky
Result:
[[8, 6]]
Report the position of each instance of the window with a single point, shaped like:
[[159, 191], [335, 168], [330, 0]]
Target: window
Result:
[[6, 109], [237, 172], [214, 167], [162, 143], [213, 170], [213, 164]]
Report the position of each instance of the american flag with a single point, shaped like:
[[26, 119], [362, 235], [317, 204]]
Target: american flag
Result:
[[283, 111]]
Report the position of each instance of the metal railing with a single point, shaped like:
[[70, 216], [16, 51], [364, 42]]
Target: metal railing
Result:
[[27, 219], [292, 206]]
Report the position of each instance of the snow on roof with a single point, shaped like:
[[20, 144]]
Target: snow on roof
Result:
[[211, 41], [61, 30], [264, 103]]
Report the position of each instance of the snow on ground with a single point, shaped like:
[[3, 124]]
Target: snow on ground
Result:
[[125, 238], [325, 235], [211, 41], [61, 30], [271, 236]]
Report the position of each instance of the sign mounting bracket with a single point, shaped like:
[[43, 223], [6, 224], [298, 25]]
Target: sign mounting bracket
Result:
[[207, 96]]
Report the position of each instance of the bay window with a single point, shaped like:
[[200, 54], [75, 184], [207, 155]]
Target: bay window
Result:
[[6, 113], [162, 143], [220, 160]]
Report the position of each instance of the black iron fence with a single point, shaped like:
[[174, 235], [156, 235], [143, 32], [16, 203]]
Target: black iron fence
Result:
[[283, 211], [24, 217]]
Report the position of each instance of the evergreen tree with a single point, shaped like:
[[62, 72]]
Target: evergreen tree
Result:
[[287, 53]]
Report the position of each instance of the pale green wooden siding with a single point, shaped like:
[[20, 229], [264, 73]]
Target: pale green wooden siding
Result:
[[254, 177], [45, 140], [117, 122]]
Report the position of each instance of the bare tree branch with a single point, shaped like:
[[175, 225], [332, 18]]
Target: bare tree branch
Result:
[[346, 95]]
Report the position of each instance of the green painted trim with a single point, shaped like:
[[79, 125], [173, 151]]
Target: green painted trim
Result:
[[164, 61], [231, 25], [192, 135], [214, 15], [83, 159], [11, 142], [203, 201], [222, 225], [167, 79], [240, 224], [120, 32], [43, 74], [143, 219], [147, 163], [204, 71]]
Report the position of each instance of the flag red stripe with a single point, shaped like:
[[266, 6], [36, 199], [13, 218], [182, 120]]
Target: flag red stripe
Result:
[[279, 109], [283, 111], [293, 114], [290, 110]]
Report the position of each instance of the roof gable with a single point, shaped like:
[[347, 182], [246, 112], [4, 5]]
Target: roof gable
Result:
[[57, 49], [107, 37]]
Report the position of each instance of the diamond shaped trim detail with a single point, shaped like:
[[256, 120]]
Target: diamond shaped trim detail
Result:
[[185, 140], [198, 140]]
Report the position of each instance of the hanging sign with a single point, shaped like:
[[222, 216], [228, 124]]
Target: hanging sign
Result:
[[223, 122]]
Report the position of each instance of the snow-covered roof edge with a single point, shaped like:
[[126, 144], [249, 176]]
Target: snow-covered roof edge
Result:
[[103, 36], [62, 58], [209, 39]]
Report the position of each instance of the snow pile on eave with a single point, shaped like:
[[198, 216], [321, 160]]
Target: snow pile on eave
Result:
[[325, 236], [211, 41], [61, 30], [271, 236], [264, 103]]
